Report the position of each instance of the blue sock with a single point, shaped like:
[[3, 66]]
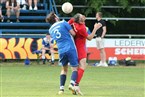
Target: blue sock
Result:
[[62, 79], [74, 77]]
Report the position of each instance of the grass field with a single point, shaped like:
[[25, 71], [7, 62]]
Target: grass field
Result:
[[36, 80]]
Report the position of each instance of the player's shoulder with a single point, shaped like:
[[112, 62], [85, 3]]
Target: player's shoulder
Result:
[[44, 39], [64, 22], [102, 21], [59, 23]]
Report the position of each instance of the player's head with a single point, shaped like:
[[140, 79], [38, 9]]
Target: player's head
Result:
[[79, 18], [47, 35], [52, 18], [99, 15]]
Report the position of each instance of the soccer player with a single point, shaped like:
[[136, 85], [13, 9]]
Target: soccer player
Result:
[[78, 24], [47, 46], [62, 32], [100, 39]]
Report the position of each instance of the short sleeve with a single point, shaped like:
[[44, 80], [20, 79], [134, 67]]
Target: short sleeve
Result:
[[103, 23], [71, 21]]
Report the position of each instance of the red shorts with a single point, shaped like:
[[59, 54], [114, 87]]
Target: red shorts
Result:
[[82, 53]]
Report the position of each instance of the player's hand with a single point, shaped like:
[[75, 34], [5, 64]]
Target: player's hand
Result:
[[95, 25]]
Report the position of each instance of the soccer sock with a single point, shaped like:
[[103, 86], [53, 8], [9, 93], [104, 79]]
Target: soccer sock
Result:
[[62, 81], [52, 56], [80, 75], [74, 77]]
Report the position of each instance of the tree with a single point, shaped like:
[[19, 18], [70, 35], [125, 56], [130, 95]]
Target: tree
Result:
[[96, 5], [130, 27]]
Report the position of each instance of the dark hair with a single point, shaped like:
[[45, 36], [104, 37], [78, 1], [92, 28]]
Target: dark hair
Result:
[[47, 33], [51, 18], [100, 14], [77, 17]]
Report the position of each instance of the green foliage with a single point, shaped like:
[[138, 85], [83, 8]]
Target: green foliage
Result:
[[95, 5], [126, 11]]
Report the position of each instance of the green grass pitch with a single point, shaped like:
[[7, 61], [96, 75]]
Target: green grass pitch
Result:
[[17, 80]]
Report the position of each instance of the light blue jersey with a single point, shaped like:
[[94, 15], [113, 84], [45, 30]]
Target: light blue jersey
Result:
[[59, 32]]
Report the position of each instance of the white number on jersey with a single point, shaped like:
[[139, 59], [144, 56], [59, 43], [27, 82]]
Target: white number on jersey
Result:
[[57, 33]]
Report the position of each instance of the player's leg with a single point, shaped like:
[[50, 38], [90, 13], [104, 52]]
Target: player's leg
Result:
[[8, 14], [63, 61], [17, 11], [73, 80], [103, 57], [102, 53], [43, 55], [73, 59], [98, 39], [52, 56], [30, 4], [35, 4], [73, 75], [63, 76], [81, 69]]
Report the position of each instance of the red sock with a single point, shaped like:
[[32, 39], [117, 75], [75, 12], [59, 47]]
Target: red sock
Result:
[[80, 75]]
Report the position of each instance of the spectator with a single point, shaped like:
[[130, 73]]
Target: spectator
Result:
[[1, 16], [100, 39], [23, 3], [35, 5], [47, 46], [13, 8]]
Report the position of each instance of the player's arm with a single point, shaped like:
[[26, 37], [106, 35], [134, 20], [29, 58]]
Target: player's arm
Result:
[[104, 32], [103, 25], [90, 36], [99, 25], [68, 26], [72, 32]]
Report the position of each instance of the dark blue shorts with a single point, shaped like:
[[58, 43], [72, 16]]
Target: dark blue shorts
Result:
[[69, 57]]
